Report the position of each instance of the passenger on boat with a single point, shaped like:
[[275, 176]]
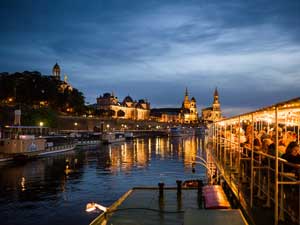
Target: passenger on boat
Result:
[[292, 155], [257, 146]]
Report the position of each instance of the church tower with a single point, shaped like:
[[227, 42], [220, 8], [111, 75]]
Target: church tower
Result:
[[186, 101], [56, 71], [193, 107], [216, 103]]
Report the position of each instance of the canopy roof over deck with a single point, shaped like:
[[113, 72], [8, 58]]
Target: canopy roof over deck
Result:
[[288, 113]]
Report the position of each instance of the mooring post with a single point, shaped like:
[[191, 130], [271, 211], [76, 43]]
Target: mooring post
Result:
[[161, 189], [200, 185], [179, 187], [179, 196]]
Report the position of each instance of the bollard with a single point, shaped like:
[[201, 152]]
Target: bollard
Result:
[[200, 197], [200, 185], [193, 168], [161, 189], [161, 197], [179, 183]]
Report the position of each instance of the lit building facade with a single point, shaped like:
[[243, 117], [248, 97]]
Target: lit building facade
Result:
[[213, 113], [188, 112], [127, 109], [56, 71], [64, 85]]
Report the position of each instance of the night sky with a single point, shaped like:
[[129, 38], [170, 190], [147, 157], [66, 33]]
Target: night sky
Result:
[[250, 50]]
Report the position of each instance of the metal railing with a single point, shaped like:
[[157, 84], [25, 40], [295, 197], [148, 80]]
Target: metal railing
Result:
[[241, 165]]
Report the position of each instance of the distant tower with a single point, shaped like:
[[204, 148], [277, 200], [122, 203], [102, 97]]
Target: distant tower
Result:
[[216, 103], [186, 102], [56, 71], [193, 107]]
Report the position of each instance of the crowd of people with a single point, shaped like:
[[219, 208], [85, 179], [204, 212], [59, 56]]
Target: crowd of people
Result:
[[265, 141]]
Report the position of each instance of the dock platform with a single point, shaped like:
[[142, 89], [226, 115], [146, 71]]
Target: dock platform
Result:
[[148, 207]]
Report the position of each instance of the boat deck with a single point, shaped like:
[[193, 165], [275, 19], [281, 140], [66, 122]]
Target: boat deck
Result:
[[145, 206]]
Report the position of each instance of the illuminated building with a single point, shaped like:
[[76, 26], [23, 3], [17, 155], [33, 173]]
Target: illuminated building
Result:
[[64, 85], [188, 112], [213, 113], [127, 109], [56, 72]]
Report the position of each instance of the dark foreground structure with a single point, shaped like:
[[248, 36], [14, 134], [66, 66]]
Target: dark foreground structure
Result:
[[152, 206]]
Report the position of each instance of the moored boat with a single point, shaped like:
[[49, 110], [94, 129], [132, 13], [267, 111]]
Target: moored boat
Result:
[[24, 147], [113, 137], [179, 131], [129, 136], [176, 131]]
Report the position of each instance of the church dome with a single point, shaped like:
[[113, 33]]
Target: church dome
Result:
[[193, 99], [128, 99], [106, 95]]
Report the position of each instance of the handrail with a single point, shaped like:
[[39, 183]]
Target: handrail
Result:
[[267, 155]]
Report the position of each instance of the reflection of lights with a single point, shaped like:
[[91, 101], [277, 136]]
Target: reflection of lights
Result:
[[23, 180], [93, 206], [67, 170]]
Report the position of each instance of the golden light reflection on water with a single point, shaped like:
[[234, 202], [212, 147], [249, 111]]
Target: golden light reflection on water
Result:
[[138, 153], [23, 182]]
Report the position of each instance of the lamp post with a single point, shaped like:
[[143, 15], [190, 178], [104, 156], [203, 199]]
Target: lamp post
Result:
[[41, 127], [75, 124]]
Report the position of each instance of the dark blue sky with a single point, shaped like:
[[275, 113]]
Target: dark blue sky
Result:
[[149, 49]]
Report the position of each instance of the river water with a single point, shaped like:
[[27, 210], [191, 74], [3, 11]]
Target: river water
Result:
[[55, 190]]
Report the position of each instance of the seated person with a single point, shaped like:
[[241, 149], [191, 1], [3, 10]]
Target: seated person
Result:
[[292, 155]]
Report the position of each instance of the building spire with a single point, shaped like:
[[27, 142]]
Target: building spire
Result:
[[216, 96], [186, 92], [216, 92]]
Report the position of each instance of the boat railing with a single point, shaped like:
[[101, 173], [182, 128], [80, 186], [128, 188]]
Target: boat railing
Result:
[[244, 165], [59, 147]]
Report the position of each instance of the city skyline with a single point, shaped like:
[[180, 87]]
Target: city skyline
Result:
[[250, 51]]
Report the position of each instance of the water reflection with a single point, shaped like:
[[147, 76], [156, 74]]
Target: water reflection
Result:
[[61, 185]]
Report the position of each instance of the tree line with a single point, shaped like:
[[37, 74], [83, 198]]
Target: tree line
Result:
[[34, 92]]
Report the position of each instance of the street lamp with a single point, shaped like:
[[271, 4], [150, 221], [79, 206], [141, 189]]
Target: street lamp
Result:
[[41, 127], [107, 126], [75, 124]]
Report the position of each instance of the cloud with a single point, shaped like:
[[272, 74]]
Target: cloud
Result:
[[154, 49]]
